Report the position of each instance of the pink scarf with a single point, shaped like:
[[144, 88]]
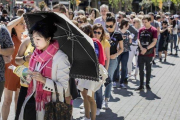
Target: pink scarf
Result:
[[42, 97]]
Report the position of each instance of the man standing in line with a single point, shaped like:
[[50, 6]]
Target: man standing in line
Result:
[[147, 39]]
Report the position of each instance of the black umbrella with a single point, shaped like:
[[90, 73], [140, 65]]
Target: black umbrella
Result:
[[73, 42]]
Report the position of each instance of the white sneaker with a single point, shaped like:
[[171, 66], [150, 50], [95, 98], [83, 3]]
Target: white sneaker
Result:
[[123, 86], [114, 85], [82, 111], [98, 111], [81, 106], [105, 105], [85, 118]]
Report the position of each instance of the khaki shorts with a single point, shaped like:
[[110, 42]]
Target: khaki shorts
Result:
[[1, 89]]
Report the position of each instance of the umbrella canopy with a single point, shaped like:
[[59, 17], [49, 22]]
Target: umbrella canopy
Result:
[[73, 42]]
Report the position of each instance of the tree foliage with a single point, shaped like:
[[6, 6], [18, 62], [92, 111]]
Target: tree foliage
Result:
[[115, 3], [145, 4]]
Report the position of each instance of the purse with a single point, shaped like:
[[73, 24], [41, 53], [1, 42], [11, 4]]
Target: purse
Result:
[[58, 110]]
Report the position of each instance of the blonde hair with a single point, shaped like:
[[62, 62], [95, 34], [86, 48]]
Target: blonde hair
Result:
[[140, 17], [139, 21]]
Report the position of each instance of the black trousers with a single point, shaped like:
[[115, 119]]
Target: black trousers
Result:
[[22, 95], [144, 60]]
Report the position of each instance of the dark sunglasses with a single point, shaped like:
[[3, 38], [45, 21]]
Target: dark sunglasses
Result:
[[97, 32], [109, 26], [80, 22], [119, 17]]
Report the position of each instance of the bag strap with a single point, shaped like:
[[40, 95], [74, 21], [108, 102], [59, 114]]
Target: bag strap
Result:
[[57, 94]]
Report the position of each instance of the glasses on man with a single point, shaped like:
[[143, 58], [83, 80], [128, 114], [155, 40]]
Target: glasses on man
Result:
[[109, 26], [95, 32]]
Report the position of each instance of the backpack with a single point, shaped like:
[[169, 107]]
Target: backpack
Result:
[[146, 39]]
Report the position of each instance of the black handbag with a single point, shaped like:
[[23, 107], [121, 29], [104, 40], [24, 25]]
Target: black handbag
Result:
[[58, 110], [108, 81], [30, 109]]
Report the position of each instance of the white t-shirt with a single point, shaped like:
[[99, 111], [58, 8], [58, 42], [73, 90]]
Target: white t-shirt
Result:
[[175, 29]]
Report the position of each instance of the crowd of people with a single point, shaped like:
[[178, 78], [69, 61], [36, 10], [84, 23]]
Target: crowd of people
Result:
[[130, 44]]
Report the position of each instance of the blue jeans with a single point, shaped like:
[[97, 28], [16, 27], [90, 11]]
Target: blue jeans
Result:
[[157, 44], [123, 58], [112, 67], [175, 42], [99, 98]]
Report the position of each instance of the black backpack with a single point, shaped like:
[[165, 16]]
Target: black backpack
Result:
[[146, 39]]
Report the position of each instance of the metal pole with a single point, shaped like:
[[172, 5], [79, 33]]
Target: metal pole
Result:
[[169, 5]]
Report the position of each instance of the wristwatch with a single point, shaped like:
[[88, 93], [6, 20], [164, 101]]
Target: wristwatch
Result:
[[24, 58], [146, 48]]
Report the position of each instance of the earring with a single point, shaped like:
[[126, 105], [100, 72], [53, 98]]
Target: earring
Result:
[[48, 41]]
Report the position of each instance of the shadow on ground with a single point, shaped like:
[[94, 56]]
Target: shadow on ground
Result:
[[148, 95]]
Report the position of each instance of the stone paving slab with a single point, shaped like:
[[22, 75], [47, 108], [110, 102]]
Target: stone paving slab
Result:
[[161, 103]]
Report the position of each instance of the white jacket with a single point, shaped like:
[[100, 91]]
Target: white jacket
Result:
[[60, 74]]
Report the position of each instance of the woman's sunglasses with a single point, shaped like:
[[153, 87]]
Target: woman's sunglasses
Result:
[[95, 32]]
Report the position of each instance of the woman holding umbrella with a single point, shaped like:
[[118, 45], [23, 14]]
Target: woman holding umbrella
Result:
[[49, 66], [115, 41]]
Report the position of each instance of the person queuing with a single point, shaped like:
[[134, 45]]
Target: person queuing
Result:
[[137, 23], [123, 58], [147, 40], [115, 41], [43, 64], [102, 19], [12, 84], [93, 15], [6, 50], [164, 38], [99, 33]]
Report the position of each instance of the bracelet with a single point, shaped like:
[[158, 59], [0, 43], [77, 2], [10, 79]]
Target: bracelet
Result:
[[24, 58]]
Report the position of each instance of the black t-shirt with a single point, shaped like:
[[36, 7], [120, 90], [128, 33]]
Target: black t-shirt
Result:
[[115, 37]]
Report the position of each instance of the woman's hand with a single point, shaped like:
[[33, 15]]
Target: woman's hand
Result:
[[27, 57], [38, 77]]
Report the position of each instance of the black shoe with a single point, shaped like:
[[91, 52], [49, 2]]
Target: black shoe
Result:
[[164, 60], [126, 81], [176, 54], [139, 88], [170, 54], [153, 62], [160, 59], [148, 87]]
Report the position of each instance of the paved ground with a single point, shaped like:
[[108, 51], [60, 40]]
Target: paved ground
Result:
[[162, 103]]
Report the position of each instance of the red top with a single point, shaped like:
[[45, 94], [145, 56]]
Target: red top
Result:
[[153, 30]]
